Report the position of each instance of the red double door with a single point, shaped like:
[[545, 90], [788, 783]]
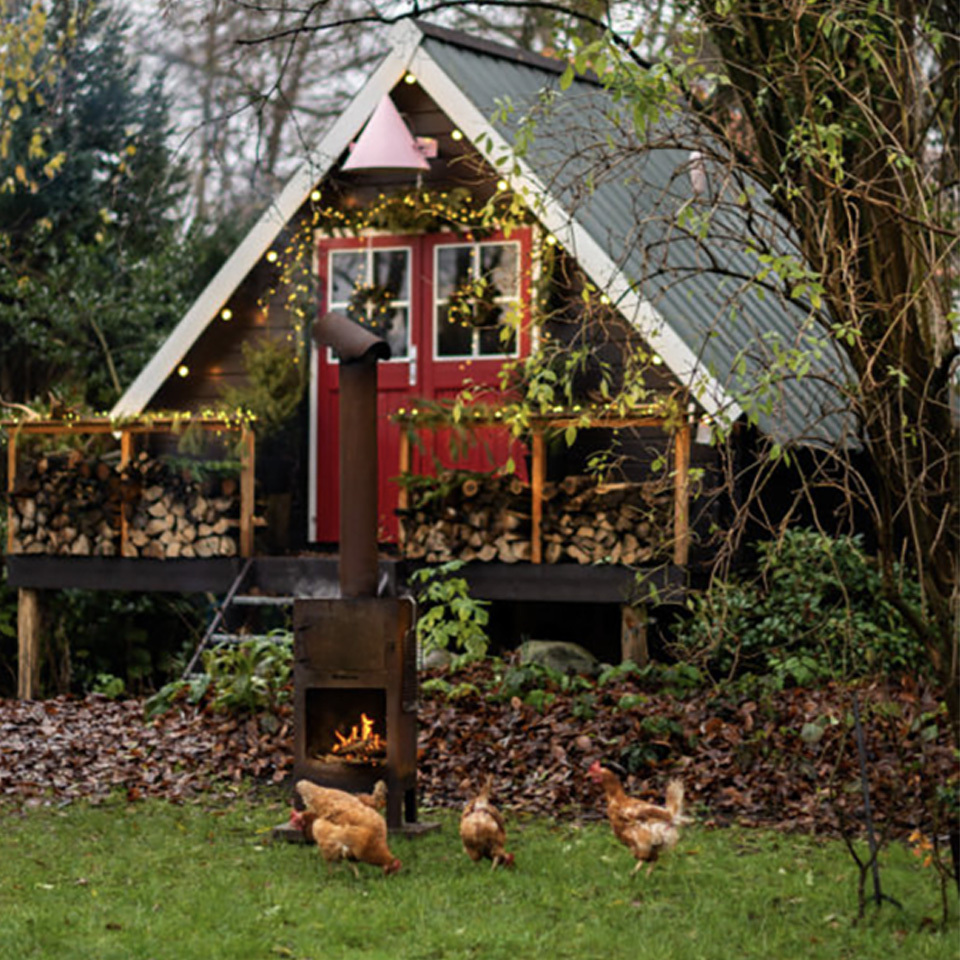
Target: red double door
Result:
[[453, 310]]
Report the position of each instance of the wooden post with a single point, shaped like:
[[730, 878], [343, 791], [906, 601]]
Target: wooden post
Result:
[[681, 504], [403, 494], [247, 461], [633, 634], [28, 644], [126, 455], [11, 482], [539, 470]]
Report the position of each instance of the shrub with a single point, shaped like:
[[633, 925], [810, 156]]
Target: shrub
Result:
[[814, 609], [246, 677], [449, 617]]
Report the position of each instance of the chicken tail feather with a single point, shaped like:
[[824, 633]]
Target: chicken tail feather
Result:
[[675, 799]]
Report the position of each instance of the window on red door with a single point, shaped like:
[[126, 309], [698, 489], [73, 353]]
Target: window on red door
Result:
[[372, 286], [477, 305]]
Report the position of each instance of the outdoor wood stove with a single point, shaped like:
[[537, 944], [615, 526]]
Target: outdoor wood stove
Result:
[[355, 656], [355, 662]]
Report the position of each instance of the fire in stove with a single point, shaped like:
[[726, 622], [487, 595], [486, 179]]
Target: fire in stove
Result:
[[361, 745]]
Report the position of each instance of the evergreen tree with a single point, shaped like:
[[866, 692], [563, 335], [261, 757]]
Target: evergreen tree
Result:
[[93, 271]]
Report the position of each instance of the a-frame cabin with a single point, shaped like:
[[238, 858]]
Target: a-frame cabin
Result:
[[402, 243]]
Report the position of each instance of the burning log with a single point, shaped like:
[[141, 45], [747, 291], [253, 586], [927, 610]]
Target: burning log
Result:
[[362, 745]]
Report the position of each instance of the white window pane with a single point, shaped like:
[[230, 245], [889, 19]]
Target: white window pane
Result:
[[346, 273], [391, 270], [499, 265], [453, 269], [496, 341], [454, 336], [395, 331]]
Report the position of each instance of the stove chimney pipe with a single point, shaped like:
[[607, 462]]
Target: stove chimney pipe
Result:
[[358, 351]]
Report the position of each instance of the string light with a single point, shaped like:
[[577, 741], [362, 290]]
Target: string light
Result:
[[272, 256], [456, 135], [226, 314], [183, 370], [410, 78]]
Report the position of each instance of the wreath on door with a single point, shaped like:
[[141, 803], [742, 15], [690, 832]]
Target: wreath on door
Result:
[[371, 305], [474, 304]]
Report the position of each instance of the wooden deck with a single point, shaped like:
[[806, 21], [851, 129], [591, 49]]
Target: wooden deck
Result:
[[317, 576]]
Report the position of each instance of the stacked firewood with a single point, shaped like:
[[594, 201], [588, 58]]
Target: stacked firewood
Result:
[[486, 517], [176, 515], [67, 504], [71, 505], [468, 516], [622, 523]]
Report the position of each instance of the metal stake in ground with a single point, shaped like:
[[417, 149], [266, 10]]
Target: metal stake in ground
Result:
[[878, 895]]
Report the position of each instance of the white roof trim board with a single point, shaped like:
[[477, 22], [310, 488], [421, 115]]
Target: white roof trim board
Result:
[[407, 54]]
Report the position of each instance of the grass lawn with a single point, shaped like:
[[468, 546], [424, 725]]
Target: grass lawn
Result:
[[153, 880]]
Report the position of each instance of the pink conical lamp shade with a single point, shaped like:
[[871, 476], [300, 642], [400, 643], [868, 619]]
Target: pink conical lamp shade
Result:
[[386, 143]]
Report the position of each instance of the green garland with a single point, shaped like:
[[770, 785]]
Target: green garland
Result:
[[416, 211]]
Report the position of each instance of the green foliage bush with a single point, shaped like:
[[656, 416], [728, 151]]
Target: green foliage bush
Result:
[[90, 635], [246, 677], [137, 637], [275, 383], [94, 268], [814, 609], [449, 618]]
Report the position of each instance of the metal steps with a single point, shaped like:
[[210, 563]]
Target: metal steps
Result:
[[234, 598]]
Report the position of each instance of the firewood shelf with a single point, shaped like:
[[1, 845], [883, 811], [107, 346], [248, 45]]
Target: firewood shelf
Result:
[[126, 432]]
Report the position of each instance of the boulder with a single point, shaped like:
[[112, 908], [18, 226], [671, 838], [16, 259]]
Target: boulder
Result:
[[436, 659], [560, 656]]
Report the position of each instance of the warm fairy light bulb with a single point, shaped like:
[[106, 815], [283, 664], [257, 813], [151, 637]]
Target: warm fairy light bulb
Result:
[[456, 135], [271, 256], [226, 314], [409, 78], [183, 370], [502, 185], [315, 196]]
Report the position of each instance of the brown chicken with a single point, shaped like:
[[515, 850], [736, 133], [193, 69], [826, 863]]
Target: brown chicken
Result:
[[377, 798], [343, 827], [482, 830], [644, 828]]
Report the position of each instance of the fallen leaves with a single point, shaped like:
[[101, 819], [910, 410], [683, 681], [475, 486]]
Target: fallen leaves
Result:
[[752, 761], [63, 749]]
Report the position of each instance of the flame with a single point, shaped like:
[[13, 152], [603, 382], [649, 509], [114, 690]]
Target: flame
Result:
[[362, 743]]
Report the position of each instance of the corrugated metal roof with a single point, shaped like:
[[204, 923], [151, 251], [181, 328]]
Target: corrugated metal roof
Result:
[[628, 199]]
